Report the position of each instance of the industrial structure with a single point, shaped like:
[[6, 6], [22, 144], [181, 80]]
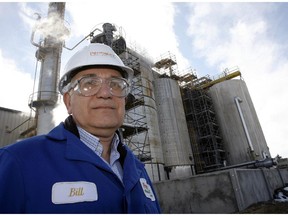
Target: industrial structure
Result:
[[181, 123], [178, 125], [49, 54]]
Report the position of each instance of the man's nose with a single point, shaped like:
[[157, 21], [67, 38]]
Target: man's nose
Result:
[[104, 90]]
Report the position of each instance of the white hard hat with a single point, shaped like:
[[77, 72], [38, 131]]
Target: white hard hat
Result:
[[95, 54]]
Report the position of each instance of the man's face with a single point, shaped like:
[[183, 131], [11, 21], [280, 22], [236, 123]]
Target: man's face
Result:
[[100, 114]]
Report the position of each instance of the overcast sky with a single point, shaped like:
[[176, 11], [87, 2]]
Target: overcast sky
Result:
[[207, 37]]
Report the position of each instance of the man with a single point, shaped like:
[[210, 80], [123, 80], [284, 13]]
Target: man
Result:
[[81, 166]]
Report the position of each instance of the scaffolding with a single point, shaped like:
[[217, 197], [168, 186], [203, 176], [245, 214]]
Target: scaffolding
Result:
[[135, 128], [191, 80], [206, 141], [207, 144], [204, 131], [166, 65]]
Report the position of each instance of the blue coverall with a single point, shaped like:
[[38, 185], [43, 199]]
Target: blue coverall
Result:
[[57, 173]]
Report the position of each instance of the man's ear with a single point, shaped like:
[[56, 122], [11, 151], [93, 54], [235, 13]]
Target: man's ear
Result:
[[67, 102]]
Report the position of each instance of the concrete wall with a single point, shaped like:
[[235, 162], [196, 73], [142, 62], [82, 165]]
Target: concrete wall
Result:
[[226, 191]]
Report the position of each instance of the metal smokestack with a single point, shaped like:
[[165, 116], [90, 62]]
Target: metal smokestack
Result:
[[49, 54]]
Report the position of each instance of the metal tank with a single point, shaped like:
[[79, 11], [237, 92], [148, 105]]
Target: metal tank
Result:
[[242, 134], [141, 114], [173, 128]]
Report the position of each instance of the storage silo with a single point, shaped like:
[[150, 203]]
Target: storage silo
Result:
[[173, 128], [242, 134]]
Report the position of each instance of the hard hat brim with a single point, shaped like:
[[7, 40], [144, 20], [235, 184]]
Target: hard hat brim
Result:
[[93, 55]]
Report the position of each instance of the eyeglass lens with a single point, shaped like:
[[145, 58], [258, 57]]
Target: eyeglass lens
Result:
[[89, 86]]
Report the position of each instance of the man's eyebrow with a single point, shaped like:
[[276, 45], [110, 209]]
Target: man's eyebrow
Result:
[[95, 75]]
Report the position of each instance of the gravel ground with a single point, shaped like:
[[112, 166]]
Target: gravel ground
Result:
[[269, 207]]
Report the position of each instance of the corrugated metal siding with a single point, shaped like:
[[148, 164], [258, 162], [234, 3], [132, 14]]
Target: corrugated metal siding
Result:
[[9, 120]]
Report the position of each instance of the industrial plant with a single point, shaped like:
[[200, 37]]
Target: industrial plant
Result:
[[199, 137]]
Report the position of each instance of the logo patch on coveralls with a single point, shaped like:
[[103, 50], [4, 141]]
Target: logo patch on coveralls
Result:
[[73, 192], [147, 189]]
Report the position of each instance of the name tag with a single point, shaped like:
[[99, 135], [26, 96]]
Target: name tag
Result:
[[73, 192]]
